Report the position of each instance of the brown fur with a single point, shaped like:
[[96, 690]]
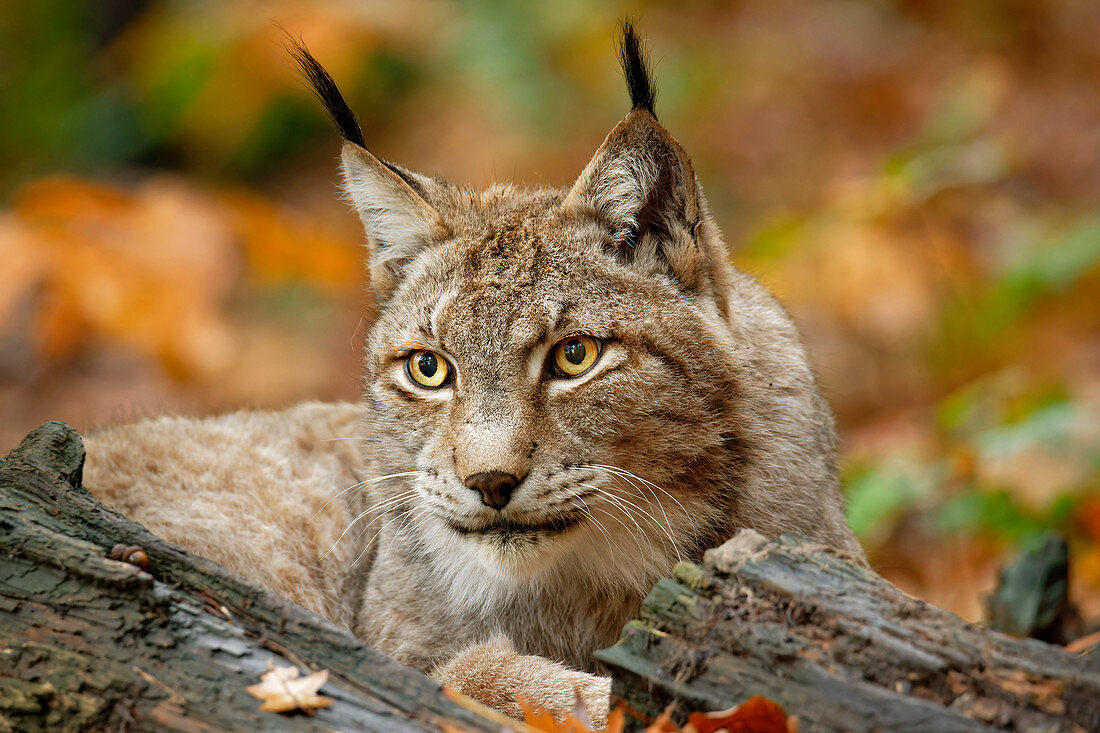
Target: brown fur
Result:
[[702, 400], [249, 490]]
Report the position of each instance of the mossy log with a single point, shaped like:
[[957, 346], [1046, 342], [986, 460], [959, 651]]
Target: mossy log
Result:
[[88, 642], [839, 647]]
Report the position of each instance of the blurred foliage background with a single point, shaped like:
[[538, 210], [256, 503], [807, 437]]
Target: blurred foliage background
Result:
[[918, 180]]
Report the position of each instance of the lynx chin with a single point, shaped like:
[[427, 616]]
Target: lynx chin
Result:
[[564, 392]]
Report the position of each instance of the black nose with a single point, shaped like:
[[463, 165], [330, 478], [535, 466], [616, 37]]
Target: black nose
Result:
[[495, 486]]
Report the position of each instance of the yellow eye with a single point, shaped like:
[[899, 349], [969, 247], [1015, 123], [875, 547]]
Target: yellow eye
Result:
[[575, 355], [428, 369]]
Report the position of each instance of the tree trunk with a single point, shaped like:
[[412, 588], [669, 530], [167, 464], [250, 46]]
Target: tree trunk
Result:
[[838, 646], [91, 643]]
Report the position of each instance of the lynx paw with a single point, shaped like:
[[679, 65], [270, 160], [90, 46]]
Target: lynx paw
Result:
[[494, 673]]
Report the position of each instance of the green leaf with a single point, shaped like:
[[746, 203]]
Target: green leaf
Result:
[[879, 493]]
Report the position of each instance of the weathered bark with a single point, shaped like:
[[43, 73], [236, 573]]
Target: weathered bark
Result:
[[88, 643], [840, 647]]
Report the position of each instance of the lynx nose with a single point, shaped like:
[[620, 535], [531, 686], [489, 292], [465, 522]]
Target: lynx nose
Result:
[[495, 486]]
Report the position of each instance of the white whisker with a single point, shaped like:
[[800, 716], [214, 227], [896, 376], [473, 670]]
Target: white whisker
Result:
[[641, 493], [364, 484], [408, 521], [667, 531], [617, 502], [624, 473], [628, 476], [387, 503], [391, 520], [588, 513], [642, 554]]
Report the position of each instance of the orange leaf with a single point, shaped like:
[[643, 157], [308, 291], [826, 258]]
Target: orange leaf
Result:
[[537, 719], [663, 723], [1088, 515], [616, 722], [755, 715], [1085, 642], [149, 268], [575, 722], [281, 246]]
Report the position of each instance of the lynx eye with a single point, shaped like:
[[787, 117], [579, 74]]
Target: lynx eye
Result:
[[575, 355], [428, 369]]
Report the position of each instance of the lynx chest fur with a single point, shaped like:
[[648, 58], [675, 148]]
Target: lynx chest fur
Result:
[[565, 392]]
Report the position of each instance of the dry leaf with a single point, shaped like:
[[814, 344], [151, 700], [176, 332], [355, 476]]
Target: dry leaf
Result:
[[755, 715], [283, 691], [538, 719], [663, 723], [576, 722], [1084, 643], [616, 722], [1087, 515]]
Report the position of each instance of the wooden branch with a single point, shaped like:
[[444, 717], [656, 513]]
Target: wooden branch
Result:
[[89, 642], [838, 646]]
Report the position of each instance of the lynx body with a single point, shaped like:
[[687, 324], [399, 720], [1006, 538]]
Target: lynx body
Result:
[[498, 515]]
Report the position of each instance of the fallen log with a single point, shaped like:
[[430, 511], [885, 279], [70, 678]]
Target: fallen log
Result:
[[839, 647], [170, 640], [87, 642]]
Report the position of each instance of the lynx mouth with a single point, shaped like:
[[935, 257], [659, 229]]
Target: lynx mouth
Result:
[[506, 528]]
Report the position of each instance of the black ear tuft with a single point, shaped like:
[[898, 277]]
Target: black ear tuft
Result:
[[327, 91], [632, 56]]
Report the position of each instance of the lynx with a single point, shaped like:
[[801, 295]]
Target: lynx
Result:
[[565, 392]]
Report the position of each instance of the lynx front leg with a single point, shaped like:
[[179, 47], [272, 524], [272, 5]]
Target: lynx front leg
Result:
[[494, 673]]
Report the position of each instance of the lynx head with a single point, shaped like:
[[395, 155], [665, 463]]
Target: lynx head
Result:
[[553, 365]]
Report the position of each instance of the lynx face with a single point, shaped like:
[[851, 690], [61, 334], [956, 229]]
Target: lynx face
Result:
[[574, 383], [523, 347]]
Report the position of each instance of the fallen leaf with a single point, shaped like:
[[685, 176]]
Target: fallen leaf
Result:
[[539, 719], [755, 715], [468, 703], [576, 722], [1087, 515], [663, 723], [1085, 642], [283, 691]]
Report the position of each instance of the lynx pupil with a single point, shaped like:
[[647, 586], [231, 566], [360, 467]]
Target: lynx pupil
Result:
[[427, 364], [574, 351]]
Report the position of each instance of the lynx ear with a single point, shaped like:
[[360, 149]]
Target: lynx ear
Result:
[[640, 183], [399, 222], [391, 201]]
